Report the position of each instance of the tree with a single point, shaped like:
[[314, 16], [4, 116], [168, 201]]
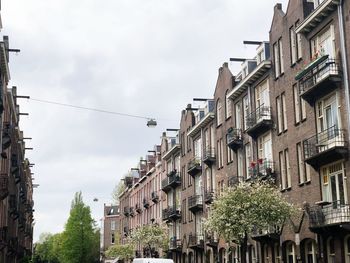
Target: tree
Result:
[[118, 189], [122, 252], [245, 207], [80, 235], [150, 237], [47, 248]]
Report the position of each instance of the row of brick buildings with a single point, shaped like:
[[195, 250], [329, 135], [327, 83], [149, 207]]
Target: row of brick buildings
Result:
[[285, 115], [16, 187]]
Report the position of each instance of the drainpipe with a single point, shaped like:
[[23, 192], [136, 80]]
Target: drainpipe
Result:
[[344, 62]]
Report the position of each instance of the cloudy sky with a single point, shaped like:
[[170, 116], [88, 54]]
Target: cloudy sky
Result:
[[143, 57]]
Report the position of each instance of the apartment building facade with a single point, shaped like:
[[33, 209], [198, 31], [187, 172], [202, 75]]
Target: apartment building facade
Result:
[[283, 117], [110, 228]]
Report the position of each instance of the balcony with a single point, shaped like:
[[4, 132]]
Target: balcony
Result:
[[12, 246], [3, 237], [173, 180], [138, 208], [175, 244], [194, 166], [196, 241], [145, 203], [195, 203], [126, 230], [173, 148], [271, 233], [126, 211], [171, 213], [331, 215], [234, 138], [322, 11], [208, 196], [259, 121], [325, 147], [318, 78], [212, 240], [13, 207], [263, 169], [209, 156], [154, 197], [4, 186], [6, 136], [132, 212]]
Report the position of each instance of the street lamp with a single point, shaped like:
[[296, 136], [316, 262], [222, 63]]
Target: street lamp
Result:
[[151, 123]]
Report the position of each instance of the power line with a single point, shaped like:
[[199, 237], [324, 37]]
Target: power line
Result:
[[90, 109]]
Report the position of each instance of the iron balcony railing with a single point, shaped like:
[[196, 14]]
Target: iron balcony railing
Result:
[[195, 200], [4, 184], [318, 73], [126, 211], [272, 231], [261, 168], [145, 202], [196, 240], [234, 137], [154, 197], [171, 212], [194, 166], [175, 243], [325, 140], [138, 208], [262, 113], [332, 214], [209, 196], [3, 236], [132, 212], [209, 155], [172, 179]]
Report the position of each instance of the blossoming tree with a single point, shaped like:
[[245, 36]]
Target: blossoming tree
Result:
[[247, 206]]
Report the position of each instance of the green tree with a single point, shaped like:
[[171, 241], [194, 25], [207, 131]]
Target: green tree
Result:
[[245, 207], [149, 236], [47, 248], [122, 252], [78, 244]]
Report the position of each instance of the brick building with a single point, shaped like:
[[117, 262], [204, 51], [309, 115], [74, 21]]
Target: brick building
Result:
[[284, 116], [110, 227]]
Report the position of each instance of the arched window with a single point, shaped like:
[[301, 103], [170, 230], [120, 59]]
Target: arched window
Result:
[[290, 252], [228, 106], [310, 251], [219, 116]]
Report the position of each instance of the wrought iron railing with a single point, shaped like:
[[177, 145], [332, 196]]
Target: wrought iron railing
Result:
[[195, 240], [332, 214], [145, 202], [209, 195], [126, 210], [317, 73], [260, 114], [209, 153], [193, 164], [261, 168], [234, 135], [325, 140], [154, 196], [195, 200], [138, 208], [175, 243], [173, 178]]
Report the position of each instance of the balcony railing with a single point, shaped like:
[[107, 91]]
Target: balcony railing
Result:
[[209, 196], [138, 208], [175, 243], [272, 232], [196, 241], [3, 237], [145, 203], [171, 213], [132, 212], [262, 169], [126, 211], [173, 180], [4, 186], [325, 147], [154, 197], [319, 78], [13, 206], [333, 214], [195, 203], [209, 156], [194, 166], [212, 239], [234, 138], [259, 121]]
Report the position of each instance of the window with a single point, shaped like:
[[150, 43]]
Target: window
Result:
[[293, 45], [219, 116], [184, 211], [285, 169], [310, 251], [327, 113], [198, 148], [281, 113], [112, 238], [347, 248], [333, 184], [300, 161], [299, 105], [229, 155], [245, 110], [290, 252], [240, 161], [278, 58], [238, 115], [265, 146], [112, 225], [228, 106], [262, 97], [323, 43], [284, 110], [248, 158], [298, 42]]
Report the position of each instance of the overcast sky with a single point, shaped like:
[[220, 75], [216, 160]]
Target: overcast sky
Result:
[[143, 57]]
